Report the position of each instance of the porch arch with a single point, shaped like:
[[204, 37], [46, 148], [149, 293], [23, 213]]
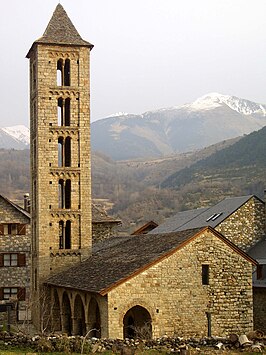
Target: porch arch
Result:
[[56, 312], [137, 323], [79, 326], [66, 314], [94, 319]]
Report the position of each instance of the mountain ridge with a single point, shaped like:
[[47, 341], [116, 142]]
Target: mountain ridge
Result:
[[178, 129]]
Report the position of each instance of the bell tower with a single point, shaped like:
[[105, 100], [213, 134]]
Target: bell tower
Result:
[[60, 149]]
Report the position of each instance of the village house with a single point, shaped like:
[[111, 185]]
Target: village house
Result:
[[15, 259]]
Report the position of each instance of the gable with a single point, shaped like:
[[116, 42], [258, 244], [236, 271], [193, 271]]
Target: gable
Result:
[[9, 213]]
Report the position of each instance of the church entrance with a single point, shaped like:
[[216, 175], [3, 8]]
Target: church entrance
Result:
[[137, 323]]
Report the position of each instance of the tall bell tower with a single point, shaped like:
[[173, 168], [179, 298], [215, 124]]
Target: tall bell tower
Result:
[[60, 149]]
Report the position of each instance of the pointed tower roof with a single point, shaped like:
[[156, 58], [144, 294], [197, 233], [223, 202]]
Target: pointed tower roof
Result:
[[60, 30]]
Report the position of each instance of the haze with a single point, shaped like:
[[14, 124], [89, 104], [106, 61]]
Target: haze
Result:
[[148, 54]]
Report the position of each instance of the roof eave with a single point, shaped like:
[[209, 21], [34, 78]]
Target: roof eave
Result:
[[89, 45]]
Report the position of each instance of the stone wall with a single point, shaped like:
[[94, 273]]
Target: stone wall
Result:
[[246, 226], [102, 231], [15, 276], [173, 294]]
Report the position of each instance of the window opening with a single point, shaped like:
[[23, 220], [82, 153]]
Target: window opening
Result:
[[68, 235], [68, 194], [205, 274], [68, 152], [59, 72], [61, 193], [10, 292], [60, 112], [61, 235], [67, 112], [10, 259], [60, 151], [67, 73]]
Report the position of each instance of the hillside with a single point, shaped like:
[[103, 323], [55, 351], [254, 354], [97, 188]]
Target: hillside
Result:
[[208, 120], [141, 190]]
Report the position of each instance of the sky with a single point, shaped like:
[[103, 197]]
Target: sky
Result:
[[148, 54]]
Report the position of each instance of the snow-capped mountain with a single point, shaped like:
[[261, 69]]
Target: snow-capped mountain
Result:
[[208, 120], [14, 137], [20, 133]]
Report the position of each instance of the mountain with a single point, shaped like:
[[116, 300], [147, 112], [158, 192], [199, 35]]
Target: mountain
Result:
[[240, 166], [15, 137], [208, 120]]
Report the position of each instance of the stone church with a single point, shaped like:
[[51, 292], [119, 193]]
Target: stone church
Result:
[[191, 282]]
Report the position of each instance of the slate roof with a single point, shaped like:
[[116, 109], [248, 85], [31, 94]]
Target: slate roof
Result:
[[60, 30], [17, 207], [202, 217], [99, 215], [120, 258]]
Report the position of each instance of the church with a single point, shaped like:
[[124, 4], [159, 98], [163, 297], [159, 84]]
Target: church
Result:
[[190, 282]]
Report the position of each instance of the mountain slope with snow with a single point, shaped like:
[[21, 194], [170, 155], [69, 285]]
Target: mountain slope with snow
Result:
[[208, 120], [15, 137]]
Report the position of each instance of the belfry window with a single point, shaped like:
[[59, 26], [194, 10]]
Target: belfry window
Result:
[[64, 194], [60, 112], [63, 112], [67, 73], [59, 72], [65, 235], [63, 72], [64, 152]]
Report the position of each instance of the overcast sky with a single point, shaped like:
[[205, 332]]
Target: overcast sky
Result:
[[148, 54]]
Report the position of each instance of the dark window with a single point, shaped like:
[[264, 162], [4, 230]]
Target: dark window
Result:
[[68, 151], [67, 73], [67, 112], [65, 235], [68, 194], [205, 274]]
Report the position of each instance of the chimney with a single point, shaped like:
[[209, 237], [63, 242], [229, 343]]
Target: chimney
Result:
[[27, 202]]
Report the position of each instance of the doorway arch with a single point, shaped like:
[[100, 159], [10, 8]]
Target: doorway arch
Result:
[[137, 323]]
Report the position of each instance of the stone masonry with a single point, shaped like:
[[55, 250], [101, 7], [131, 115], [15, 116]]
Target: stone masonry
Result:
[[60, 149], [172, 292], [15, 258], [246, 226]]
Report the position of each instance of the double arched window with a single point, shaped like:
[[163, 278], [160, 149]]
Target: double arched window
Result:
[[63, 112], [63, 72], [64, 152], [64, 194], [65, 235]]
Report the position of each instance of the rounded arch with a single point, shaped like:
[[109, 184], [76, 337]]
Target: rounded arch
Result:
[[79, 316], [137, 323], [57, 326], [66, 314], [94, 319]]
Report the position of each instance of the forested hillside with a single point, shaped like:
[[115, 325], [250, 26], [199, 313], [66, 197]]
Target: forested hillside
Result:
[[143, 190]]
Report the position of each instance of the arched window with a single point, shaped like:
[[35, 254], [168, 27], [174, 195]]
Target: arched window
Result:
[[64, 194], [59, 72], [64, 235], [60, 112], [67, 112], [68, 235], [63, 72], [67, 152], [68, 194], [61, 197], [67, 73], [60, 151]]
